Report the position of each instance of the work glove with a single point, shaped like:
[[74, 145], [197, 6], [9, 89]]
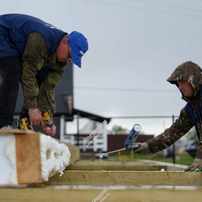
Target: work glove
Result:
[[35, 116], [197, 163], [142, 148]]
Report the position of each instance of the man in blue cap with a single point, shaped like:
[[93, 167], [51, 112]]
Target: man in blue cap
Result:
[[35, 53]]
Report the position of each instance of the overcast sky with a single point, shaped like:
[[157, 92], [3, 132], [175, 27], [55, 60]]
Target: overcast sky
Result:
[[133, 47]]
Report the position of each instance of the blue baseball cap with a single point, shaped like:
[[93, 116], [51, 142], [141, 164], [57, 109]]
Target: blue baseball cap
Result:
[[79, 45]]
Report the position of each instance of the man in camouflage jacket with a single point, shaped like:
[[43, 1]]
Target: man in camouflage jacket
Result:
[[188, 78], [35, 53]]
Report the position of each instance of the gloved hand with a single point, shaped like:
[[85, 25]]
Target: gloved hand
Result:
[[142, 148], [49, 129], [196, 166], [35, 116]]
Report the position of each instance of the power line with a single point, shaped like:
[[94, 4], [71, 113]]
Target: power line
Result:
[[148, 90]]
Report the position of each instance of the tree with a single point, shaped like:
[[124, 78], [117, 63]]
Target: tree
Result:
[[117, 129]]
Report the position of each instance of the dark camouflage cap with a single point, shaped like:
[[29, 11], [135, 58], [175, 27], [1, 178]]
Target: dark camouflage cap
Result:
[[187, 71]]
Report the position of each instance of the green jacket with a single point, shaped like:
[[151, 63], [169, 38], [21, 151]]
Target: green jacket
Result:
[[36, 58], [190, 72]]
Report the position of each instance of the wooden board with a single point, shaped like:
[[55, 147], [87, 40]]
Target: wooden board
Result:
[[115, 165], [15, 132], [137, 178], [28, 161], [75, 153], [99, 193]]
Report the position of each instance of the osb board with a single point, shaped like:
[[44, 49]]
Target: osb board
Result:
[[28, 162]]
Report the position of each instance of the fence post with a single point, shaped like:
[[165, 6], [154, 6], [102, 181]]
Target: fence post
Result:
[[173, 153]]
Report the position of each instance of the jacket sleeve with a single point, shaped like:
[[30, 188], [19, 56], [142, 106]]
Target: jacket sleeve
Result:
[[34, 57], [178, 129], [46, 98]]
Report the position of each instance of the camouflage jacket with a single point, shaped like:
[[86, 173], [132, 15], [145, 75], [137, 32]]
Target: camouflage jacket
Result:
[[35, 60], [190, 72]]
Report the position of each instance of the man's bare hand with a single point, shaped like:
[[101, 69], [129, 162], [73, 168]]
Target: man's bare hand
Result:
[[50, 129], [142, 148], [196, 166], [35, 116]]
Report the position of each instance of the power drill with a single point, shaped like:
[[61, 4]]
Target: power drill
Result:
[[25, 123]]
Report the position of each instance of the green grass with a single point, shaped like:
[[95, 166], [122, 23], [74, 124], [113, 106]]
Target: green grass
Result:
[[184, 159]]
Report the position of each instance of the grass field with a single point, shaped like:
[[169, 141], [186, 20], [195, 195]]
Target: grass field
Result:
[[184, 159]]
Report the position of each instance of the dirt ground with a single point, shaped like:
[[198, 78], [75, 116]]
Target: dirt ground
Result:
[[51, 194]]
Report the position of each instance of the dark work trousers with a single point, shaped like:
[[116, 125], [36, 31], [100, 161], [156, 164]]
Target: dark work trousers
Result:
[[10, 71]]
